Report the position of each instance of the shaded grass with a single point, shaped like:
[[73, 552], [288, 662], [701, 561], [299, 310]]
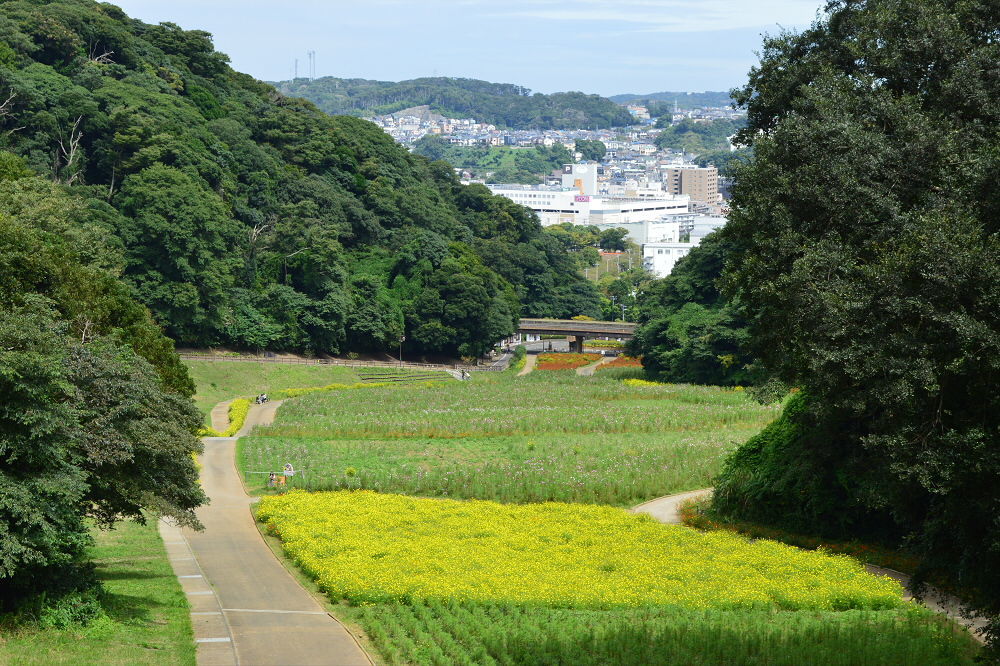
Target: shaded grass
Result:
[[146, 613], [552, 436], [466, 634], [217, 381]]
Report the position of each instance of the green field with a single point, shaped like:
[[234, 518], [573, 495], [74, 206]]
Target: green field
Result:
[[545, 436], [145, 618], [217, 381], [487, 634], [556, 435]]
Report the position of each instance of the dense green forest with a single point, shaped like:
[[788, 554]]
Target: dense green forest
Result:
[[664, 101], [863, 249], [689, 331], [696, 137], [498, 164], [244, 217], [500, 104]]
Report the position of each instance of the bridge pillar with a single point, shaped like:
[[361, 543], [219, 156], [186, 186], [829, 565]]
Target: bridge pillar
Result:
[[576, 345]]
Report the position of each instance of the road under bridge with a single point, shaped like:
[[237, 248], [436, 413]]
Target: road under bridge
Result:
[[579, 330]]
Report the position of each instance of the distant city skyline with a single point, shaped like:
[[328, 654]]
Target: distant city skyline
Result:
[[631, 46]]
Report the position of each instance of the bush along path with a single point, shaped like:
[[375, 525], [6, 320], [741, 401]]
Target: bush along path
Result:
[[246, 607], [667, 510]]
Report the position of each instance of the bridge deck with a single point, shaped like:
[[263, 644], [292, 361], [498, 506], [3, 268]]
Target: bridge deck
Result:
[[573, 327]]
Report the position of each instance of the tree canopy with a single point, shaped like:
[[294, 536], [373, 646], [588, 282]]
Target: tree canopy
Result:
[[496, 164], [500, 104], [247, 218], [692, 136], [95, 418], [865, 254]]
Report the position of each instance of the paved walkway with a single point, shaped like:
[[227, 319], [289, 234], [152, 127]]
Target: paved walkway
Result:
[[589, 370], [665, 510], [246, 607], [529, 364]]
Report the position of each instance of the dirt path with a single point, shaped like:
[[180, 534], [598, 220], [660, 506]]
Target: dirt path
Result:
[[246, 608], [529, 364], [665, 510]]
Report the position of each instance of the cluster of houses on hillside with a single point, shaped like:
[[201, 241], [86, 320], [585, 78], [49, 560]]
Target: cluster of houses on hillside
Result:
[[666, 203]]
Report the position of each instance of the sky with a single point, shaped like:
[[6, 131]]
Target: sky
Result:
[[597, 46]]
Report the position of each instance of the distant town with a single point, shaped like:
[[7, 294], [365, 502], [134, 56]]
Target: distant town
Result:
[[665, 201]]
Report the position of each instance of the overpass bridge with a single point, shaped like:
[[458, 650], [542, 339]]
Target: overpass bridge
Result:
[[580, 330]]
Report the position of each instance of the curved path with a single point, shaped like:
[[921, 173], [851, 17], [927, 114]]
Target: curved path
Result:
[[666, 510], [246, 607]]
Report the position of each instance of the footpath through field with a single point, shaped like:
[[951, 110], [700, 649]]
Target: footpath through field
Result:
[[588, 370], [529, 364], [667, 510], [246, 607]]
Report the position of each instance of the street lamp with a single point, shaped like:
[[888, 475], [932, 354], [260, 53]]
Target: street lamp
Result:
[[402, 339]]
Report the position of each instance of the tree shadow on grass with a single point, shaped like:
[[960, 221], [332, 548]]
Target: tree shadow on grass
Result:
[[130, 608]]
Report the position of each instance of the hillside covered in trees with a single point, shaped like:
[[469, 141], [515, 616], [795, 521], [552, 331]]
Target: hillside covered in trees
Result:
[[243, 217], [501, 104], [664, 101]]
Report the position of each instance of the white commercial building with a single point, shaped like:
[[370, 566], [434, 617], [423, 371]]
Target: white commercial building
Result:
[[664, 229], [660, 257], [555, 205]]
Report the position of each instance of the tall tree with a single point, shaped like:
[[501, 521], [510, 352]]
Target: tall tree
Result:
[[865, 254]]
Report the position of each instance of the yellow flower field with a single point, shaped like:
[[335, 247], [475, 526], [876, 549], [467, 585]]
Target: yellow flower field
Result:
[[370, 547]]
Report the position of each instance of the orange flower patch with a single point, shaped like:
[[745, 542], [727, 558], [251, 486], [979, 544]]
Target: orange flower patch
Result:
[[622, 362], [565, 361]]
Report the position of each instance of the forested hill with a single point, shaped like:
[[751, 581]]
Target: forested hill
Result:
[[501, 104], [685, 100], [243, 217]]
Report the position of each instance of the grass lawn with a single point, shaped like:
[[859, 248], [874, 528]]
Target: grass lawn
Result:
[[545, 436], [146, 621], [222, 380]]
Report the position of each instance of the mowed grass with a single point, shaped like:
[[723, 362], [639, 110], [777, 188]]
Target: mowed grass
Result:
[[545, 436], [146, 613], [470, 634], [216, 381]]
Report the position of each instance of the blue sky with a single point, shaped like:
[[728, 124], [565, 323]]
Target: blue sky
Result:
[[597, 46]]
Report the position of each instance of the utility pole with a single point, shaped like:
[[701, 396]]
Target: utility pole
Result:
[[296, 69]]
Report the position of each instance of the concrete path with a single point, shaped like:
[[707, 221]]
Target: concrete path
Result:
[[589, 370], [220, 416], [246, 607], [666, 510], [529, 364]]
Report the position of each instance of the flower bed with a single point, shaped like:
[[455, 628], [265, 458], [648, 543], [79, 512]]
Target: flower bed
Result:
[[238, 410], [369, 547], [565, 361], [622, 362]]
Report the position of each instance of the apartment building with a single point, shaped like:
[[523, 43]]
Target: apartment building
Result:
[[700, 183]]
